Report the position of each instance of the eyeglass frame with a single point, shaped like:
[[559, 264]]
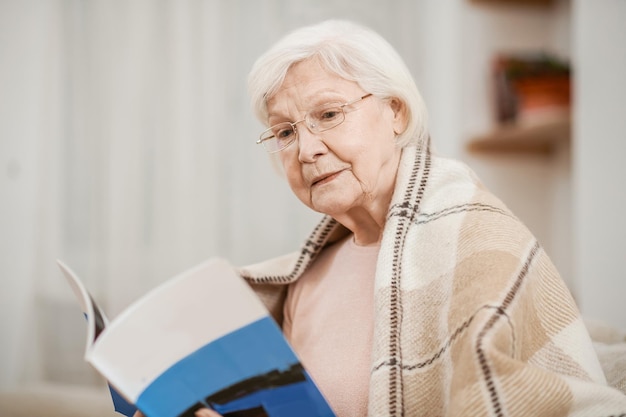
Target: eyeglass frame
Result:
[[309, 126]]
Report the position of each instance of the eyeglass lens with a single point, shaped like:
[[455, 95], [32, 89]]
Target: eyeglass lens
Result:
[[318, 120]]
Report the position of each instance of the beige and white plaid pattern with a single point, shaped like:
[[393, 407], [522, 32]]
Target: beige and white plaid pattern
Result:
[[472, 319]]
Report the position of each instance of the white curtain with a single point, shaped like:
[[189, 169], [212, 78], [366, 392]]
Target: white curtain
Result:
[[127, 144]]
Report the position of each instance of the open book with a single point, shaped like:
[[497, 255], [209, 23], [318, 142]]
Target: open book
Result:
[[201, 339]]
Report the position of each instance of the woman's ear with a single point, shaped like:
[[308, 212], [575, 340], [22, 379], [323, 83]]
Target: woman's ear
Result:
[[400, 115]]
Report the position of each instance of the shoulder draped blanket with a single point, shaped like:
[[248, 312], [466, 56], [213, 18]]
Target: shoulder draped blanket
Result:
[[472, 319]]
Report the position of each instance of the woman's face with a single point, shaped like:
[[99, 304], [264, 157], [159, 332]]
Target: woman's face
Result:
[[349, 167]]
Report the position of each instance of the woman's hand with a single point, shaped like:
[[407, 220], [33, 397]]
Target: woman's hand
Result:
[[203, 412]]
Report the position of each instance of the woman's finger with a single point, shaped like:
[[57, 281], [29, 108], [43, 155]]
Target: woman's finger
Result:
[[205, 412]]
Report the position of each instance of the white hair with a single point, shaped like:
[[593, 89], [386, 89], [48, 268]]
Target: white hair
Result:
[[351, 51]]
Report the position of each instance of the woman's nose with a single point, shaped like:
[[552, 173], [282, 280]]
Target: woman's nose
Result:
[[310, 145]]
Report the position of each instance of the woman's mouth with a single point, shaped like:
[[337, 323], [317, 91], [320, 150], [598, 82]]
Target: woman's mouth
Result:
[[326, 178]]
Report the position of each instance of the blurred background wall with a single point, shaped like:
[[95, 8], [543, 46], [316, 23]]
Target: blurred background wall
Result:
[[127, 146]]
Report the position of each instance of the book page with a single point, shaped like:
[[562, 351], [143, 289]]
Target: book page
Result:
[[171, 322], [96, 319]]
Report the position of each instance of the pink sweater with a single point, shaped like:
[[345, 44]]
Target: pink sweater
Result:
[[329, 321]]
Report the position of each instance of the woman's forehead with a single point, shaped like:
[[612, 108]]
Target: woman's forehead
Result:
[[309, 83]]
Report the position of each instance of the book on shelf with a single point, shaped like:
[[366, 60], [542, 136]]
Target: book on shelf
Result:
[[200, 339]]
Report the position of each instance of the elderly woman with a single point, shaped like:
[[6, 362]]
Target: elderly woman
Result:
[[418, 293]]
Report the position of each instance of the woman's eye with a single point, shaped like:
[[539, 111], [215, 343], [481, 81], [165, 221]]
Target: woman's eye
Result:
[[283, 134], [330, 114]]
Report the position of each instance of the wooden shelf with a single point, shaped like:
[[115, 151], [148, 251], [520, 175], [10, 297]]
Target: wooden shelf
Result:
[[537, 138], [514, 2]]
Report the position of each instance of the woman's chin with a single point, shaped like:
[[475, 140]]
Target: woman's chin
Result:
[[332, 205]]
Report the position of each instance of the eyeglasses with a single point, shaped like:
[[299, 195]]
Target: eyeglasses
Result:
[[317, 120]]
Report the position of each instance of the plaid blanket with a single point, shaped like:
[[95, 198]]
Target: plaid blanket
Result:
[[472, 318]]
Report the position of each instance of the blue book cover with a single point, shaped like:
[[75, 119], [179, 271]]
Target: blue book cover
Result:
[[201, 339]]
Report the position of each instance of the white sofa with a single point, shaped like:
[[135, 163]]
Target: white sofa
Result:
[[56, 400], [610, 345]]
